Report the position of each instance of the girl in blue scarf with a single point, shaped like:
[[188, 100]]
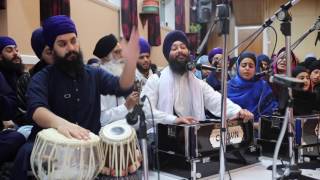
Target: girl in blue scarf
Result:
[[247, 91]]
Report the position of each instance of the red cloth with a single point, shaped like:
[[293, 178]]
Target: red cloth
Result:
[[180, 15], [129, 17], [54, 7]]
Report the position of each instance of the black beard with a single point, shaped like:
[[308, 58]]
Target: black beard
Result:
[[74, 67], [8, 66], [178, 66], [142, 69]]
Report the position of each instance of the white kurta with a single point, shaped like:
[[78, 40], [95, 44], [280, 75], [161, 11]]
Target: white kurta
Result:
[[112, 107], [141, 78], [184, 100]]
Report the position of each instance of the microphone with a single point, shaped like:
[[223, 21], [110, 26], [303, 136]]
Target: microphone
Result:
[[262, 73], [190, 66], [285, 81], [206, 67], [132, 117]]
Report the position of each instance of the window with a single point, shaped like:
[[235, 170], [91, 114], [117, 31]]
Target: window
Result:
[[114, 2], [167, 13]]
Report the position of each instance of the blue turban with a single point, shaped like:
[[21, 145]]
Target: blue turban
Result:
[[171, 38], [144, 46], [55, 26], [6, 41], [37, 42], [213, 52]]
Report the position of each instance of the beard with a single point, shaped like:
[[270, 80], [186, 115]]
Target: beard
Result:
[[9, 65], [179, 65], [142, 69], [71, 64], [115, 67]]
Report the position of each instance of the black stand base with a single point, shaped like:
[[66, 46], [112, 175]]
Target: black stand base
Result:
[[294, 172]]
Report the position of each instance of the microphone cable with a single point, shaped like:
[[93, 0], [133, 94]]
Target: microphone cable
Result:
[[155, 139]]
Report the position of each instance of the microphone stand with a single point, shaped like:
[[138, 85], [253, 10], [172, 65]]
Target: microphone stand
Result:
[[292, 171], [266, 24], [223, 17], [143, 139], [205, 39], [314, 27], [142, 135]]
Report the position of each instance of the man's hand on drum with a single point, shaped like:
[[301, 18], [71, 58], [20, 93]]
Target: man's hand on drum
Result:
[[132, 100], [72, 130], [186, 120], [243, 114]]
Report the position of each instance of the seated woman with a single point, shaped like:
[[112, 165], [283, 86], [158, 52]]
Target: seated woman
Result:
[[263, 63], [280, 67], [305, 102], [249, 92]]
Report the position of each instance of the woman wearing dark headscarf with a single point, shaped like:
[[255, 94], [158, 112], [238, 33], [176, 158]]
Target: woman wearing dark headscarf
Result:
[[263, 63], [305, 102], [247, 91]]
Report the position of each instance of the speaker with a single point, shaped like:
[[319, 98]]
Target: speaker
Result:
[[204, 9]]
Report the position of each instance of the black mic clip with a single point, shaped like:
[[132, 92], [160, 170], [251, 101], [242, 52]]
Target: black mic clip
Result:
[[263, 73], [132, 117], [206, 67]]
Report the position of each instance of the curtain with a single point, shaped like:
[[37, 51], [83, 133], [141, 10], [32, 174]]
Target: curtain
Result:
[[2, 4], [180, 15], [154, 35], [129, 17], [53, 7]]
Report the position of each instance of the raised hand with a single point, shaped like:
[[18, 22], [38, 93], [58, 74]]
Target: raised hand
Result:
[[131, 49]]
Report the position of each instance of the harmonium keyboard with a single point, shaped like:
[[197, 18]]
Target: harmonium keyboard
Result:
[[202, 139]]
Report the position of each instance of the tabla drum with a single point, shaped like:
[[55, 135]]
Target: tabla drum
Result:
[[121, 150], [55, 156]]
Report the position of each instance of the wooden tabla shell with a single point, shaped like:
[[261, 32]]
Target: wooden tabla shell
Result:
[[55, 156]]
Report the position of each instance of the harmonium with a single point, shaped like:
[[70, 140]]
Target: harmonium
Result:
[[189, 149], [305, 131]]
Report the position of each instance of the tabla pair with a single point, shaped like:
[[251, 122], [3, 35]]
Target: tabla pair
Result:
[[115, 153]]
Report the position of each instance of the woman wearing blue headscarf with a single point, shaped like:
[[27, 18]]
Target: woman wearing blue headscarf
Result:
[[249, 92]]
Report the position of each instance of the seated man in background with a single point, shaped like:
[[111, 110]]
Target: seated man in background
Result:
[[11, 68], [113, 108], [144, 70], [10, 140]]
